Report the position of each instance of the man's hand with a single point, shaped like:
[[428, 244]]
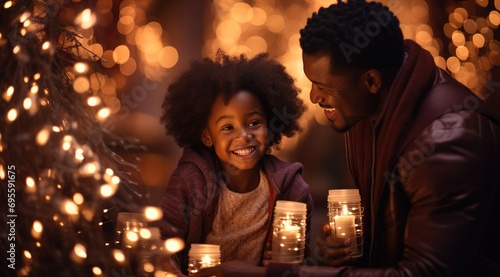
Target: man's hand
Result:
[[231, 269], [335, 249]]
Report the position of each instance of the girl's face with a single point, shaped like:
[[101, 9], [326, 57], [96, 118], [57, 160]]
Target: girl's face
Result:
[[237, 131]]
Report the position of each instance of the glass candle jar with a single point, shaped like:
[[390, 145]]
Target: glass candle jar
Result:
[[128, 226], [150, 252], [345, 213], [202, 256], [289, 231]]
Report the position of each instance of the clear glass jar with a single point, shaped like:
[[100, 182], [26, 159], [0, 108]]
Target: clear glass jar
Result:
[[128, 222], [150, 252], [202, 256], [346, 217], [289, 231]]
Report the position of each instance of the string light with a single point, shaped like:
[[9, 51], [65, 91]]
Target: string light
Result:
[[153, 213], [30, 185], [238, 27], [174, 245], [27, 254], [11, 115], [37, 229], [97, 271], [80, 250], [7, 95], [93, 101], [81, 67], [118, 255], [70, 208], [103, 113], [86, 19], [7, 4]]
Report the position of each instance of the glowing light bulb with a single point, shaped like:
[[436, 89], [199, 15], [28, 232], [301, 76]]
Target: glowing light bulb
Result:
[[70, 207], [80, 250], [118, 255], [27, 103], [11, 115], [24, 17], [174, 245], [46, 45], [103, 113], [81, 67], [85, 19], [7, 95], [78, 198], [30, 184], [153, 213], [93, 101]]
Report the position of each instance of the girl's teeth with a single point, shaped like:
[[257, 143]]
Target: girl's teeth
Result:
[[330, 110], [243, 152]]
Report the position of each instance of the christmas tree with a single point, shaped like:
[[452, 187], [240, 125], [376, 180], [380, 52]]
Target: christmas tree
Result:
[[62, 185]]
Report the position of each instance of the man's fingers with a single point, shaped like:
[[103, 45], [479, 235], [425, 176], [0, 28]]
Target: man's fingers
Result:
[[325, 230], [334, 242], [337, 262], [336, 253], [206, 272]]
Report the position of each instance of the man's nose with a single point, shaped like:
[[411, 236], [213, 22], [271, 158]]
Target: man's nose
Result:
[[315, 95]]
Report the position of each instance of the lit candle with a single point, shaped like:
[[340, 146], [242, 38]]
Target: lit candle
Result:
[[345, 214], [206, 261], [344, 226], [289, 232], [203, 256]]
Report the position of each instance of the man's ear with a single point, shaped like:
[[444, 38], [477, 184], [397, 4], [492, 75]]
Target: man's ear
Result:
[[372, 79], [205, 138]]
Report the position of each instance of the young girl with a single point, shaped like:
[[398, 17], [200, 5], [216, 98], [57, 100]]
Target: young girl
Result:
[[227, 113]]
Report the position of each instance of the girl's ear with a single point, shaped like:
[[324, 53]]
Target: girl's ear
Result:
[[205, 138], [372, 80]]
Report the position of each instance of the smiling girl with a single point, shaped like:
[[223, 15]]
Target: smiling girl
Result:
[[227, 113]]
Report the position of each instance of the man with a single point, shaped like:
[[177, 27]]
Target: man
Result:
[[422, 149]]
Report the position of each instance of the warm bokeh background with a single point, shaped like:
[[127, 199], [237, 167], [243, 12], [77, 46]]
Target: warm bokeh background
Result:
[[145, 44]]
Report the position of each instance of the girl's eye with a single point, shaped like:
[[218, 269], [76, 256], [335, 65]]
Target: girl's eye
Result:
[[226, 128], [254, 123]]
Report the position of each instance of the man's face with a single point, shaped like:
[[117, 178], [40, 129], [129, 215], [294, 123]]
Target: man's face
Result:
[[345, 97]]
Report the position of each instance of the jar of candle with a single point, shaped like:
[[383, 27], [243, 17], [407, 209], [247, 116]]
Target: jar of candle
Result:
[[128, 226], [345, 213], [150, 252], [289, 231], [202, 256]]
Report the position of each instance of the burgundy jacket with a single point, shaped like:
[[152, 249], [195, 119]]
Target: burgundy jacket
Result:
[[190, 200], [430, 185]]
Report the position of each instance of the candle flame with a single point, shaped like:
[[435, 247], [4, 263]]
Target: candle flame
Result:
[[206, 260], [345, 210]]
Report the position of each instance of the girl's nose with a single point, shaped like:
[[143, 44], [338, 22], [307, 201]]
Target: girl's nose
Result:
[[244, 135]]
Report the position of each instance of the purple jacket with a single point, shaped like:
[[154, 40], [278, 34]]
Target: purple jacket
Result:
[[191, 195]]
